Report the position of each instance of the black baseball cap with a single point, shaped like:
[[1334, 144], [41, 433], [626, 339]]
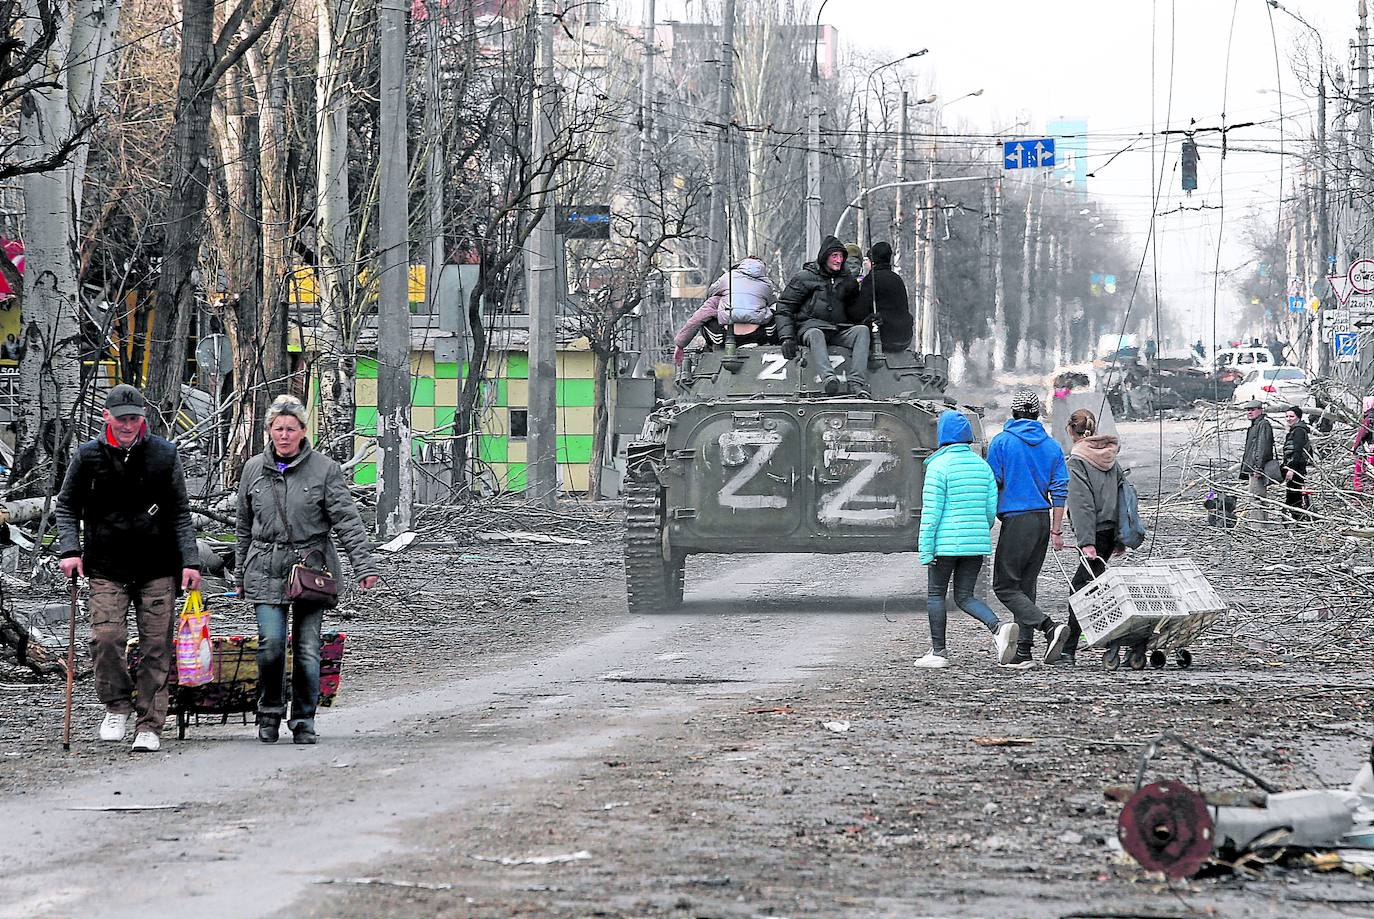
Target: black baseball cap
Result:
[[124, 400]]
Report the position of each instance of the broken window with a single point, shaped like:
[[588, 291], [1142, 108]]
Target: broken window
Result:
[[519, 422]]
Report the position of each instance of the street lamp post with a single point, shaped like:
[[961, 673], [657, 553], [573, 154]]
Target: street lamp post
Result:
[[864, 225]]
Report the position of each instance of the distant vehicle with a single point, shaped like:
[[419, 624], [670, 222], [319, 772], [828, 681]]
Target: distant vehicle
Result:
[[1232, 364], [1274, 386]]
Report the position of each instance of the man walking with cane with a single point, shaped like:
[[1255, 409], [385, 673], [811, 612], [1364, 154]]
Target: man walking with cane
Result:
[[126, 489]]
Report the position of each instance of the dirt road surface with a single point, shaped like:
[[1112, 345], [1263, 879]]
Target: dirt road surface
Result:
[[768, 751]]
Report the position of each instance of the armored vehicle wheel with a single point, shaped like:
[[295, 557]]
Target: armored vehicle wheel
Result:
[[1184, 659], [1158, 659], [1138, 659], [653, 584]]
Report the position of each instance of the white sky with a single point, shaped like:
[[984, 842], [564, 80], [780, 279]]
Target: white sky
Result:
[[1092, 60]]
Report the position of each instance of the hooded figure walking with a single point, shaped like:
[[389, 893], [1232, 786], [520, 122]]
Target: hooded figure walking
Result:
[[815, 307], [958, 509], [1033, 484]]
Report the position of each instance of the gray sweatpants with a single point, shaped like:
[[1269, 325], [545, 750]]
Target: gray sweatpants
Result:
[[855, 337]]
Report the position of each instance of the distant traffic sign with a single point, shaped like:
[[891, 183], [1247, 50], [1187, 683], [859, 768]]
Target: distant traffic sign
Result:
[[1347, 346], [1028, 154]]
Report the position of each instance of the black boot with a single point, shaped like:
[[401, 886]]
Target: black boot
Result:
[[269, 726]]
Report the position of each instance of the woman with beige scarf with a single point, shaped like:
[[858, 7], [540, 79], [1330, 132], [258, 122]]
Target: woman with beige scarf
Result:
[[1094, 481]]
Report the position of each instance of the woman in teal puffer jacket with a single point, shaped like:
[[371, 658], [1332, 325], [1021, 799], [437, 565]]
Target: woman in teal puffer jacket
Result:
[[958, 508]]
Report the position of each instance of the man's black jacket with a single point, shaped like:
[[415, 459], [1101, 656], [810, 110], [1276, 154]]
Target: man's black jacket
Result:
[[132, 505]]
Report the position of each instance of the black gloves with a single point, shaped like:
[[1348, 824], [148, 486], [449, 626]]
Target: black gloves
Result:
[[789, 348]]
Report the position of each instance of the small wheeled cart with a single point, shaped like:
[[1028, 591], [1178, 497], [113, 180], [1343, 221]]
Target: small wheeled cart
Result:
[[234, 689], [1139, 614]]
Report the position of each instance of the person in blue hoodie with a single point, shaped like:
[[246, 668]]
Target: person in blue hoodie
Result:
[[958, 508], [1032, 483]]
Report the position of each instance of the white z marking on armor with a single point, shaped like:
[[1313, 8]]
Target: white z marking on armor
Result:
[[835, 507], [774, 367], [764, 448]]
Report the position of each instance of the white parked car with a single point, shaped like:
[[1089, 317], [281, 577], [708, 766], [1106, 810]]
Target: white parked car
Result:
[[1274, 386]]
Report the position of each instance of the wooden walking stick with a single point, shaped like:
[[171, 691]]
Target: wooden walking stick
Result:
[[71, 667]]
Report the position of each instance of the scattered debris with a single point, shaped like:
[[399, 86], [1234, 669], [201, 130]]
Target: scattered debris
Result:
[[385, 882], [1004, 741], [774, 710], [670, 680], [399, 543], [1168, 827], [124, 807], [522, 536], [581, 856], [839, 727]]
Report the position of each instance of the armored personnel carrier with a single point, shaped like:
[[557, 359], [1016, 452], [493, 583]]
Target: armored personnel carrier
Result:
[[753, 456]]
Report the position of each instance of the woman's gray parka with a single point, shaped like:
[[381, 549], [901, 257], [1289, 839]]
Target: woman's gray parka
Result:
[[317, 501]]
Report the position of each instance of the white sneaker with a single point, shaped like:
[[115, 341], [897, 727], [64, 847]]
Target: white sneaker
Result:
[[146, 742], [1004, 642], [113, 727], [932, 661]]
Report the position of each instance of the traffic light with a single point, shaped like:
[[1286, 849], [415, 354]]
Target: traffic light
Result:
[[1189, 165]]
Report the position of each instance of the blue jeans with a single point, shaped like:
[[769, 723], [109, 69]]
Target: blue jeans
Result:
[[964, 570], [306, 622]]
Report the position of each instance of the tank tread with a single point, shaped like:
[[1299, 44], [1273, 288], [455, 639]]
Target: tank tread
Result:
[[646, 571]]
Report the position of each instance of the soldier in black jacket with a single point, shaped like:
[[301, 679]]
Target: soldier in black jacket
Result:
[[128, 491], [882, 301], [815, 307]]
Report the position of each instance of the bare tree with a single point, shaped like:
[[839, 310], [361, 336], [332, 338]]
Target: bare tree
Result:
[[205, 59], [615, 283]]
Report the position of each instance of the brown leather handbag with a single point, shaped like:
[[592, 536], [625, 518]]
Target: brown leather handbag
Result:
[[312, 586]]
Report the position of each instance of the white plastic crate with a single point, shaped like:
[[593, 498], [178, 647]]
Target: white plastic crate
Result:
[[1126, 602], [1166, 603]]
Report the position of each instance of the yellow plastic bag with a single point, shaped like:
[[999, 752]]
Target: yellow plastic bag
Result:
[[195, 656]]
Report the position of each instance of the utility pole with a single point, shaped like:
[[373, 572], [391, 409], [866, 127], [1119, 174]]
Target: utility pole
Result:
[[862, 221], [434, 161], [651, 323], [724, 174], [541, 462], [999, 288], [1326, 257], [902, 214], [813, 147], [393, 309]]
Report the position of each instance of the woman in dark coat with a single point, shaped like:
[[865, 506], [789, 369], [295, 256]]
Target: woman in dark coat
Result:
[[292, 500], [1297, 456]]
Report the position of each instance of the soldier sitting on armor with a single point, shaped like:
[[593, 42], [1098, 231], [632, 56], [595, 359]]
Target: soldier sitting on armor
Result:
[[815, 308], [742, 297]]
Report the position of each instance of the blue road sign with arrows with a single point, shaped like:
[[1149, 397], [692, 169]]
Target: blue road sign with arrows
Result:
[[1028, 154], [1347, 344]]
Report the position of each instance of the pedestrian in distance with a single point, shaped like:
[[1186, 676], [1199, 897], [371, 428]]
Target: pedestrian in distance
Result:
[[292, 501], [1297, 457], [124, 523], [1094, 483], [958, 509], [814, 307], [1255, 460], [1032, 483], [882, 301], [1364, 443]]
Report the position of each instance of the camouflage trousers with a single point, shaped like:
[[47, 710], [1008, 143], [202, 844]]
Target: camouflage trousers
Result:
[[155, 614]]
